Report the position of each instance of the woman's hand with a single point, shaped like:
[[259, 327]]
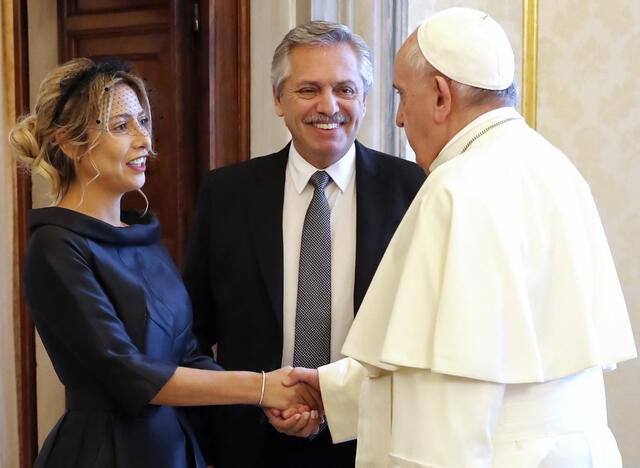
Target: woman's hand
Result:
[[276, 395]]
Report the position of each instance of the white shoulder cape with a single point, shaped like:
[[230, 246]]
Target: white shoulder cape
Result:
[[500, 271]]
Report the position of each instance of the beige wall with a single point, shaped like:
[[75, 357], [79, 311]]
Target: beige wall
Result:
[[588, 106], [270, 21]]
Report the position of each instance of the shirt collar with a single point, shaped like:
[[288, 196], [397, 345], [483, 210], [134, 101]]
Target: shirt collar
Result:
[[341, 171], [458, 142]]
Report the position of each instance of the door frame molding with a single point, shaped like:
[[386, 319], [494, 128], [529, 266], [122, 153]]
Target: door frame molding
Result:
[[224, 134], [24, 336]]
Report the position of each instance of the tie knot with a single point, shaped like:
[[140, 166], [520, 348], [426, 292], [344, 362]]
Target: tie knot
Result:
[[319, 180]]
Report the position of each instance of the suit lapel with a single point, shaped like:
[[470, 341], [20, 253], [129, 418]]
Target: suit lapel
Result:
[[266, 201], [371, 229]]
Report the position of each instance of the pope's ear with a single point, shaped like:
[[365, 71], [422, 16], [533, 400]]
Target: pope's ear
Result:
[[65, 144], [277, 102], [442, 88]]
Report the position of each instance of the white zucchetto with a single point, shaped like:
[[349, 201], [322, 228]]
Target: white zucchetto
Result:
[[469, 47]]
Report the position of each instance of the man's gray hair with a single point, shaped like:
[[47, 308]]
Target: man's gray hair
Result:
[[469, 95], [320, 33]]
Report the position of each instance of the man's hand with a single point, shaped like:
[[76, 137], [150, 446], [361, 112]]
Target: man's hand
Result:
[[302, 374], [298, 421], [283, 396], [294, 423]]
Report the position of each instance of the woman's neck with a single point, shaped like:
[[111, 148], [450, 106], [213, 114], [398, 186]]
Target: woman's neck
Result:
[[89, 202]]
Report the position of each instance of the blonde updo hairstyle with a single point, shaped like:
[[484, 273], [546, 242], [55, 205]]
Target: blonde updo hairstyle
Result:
[[72, 98]]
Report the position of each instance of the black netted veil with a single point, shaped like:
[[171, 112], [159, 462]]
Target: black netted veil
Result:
[[74, 85]]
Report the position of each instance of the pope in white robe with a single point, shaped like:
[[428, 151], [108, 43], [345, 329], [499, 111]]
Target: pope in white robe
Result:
[[484, 334], [486, 328]]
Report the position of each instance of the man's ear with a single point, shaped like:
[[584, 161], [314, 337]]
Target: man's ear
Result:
[[277, 103], [442, 108]]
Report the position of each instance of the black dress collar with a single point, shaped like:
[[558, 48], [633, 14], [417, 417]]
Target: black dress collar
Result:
[[142, 230]]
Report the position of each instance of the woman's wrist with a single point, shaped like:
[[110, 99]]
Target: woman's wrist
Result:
[[255, 389]]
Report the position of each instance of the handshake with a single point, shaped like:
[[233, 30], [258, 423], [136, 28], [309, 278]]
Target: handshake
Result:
[[292, 401]]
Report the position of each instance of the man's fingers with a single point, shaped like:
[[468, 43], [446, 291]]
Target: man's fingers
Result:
[[311, 397], [286, 414], [297, 374], [299, 424], [306, 427], [308, 376]]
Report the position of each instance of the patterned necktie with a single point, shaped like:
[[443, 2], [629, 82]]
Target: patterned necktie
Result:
[[312, 346]]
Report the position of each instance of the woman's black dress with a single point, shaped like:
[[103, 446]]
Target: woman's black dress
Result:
[[115, 319]]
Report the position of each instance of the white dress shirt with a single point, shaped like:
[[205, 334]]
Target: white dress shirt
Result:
[[341, 195]]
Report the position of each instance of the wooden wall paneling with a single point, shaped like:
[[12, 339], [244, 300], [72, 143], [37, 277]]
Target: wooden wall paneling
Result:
[[25, 336], [205, 126], [228, 34], [186, 115], [92, 6], [244, 78]]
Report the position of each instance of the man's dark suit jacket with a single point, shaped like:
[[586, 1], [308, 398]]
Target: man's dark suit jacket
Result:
[[234, 274]]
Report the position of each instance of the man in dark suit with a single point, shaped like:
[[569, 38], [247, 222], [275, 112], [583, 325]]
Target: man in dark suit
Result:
[[285, 245]]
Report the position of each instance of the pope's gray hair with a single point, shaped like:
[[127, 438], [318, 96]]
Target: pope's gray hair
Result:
[[320, 33], [469, 95]]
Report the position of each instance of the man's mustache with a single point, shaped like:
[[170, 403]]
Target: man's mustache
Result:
[[327, 119]]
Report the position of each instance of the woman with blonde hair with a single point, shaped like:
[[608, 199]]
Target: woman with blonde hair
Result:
[[103, 292]]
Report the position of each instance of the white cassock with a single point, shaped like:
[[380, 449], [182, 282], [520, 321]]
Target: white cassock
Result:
[[483, 336]]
